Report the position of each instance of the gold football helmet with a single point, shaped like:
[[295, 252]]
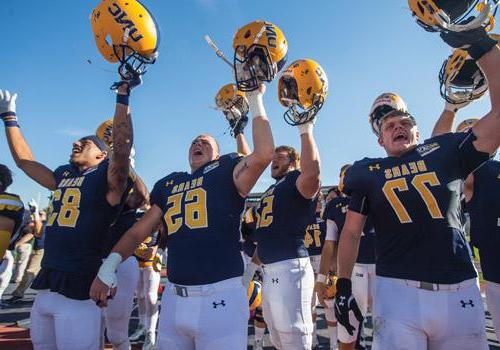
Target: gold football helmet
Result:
[[231, 102], [343, 172], [465, 125], [384, 105], [303, 84], [105, 132], [461, 79], [260, 51], [454, 15], [254, 295], [331, 286], [126, 32]]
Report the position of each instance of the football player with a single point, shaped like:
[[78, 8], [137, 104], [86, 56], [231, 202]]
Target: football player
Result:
[[364, 270], [427, 294], [284, 211], [149, 259], [314, 239], [11, 218], [87, 197], [118, 312], [481, 192]]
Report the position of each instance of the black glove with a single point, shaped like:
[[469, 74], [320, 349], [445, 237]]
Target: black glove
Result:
[[131, 78], [237, 126], [345, 302], [475, 41]]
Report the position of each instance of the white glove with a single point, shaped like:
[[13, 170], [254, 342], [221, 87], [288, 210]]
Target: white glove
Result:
[[7, 102], [107, 271], [454, 108], [248, 274]]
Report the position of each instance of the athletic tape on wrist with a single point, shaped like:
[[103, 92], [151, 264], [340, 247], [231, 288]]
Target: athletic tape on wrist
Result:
[[256, 106], [320, 278]]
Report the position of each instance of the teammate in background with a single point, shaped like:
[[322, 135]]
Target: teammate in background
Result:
[[413, 198], [248, 226], [363, 276], [481, 192], [333, 192], [285, 210], [11, 217], [201, 212], [22, 247], [118, 312], [87, 197], [314, 239], [35, 259], [149, 258]]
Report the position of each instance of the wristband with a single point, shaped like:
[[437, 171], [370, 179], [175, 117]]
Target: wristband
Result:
[[122, 99], [256, 105], [9, 119], [320, 278], [306, 128]]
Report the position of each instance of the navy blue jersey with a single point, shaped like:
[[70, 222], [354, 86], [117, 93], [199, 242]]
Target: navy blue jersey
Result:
[[77, 230], [201, 218], [484, 211], [414, 203], [127, 218], [12, 207], [314, 237], [247, 228], [282, 217], [337, 213]]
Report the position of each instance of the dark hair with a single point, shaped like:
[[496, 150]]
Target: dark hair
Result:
[[292, 153], [336, 190], [5, 177]]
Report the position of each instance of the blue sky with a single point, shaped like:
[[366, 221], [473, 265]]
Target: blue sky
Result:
[[365, 47]]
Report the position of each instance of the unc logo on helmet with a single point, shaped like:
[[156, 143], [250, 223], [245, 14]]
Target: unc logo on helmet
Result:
[[260, 50], [460, 79], [132, 33], [454, 15], [303, 84]]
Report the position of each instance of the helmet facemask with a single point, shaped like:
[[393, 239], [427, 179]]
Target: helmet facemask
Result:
[[131, 62], [253, 66], [454, 15], [461, 80], [289, 96]]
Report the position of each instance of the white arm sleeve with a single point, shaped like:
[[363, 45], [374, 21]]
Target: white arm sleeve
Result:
[[332, 231]]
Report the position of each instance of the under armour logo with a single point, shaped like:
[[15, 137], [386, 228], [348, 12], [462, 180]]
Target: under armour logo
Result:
[[464, 304], [66, 173], [274, 280], [222, 303], [168, 183], [342, 300], [373, 167]]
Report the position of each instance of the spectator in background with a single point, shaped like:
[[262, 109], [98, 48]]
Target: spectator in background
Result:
[[35, 259]]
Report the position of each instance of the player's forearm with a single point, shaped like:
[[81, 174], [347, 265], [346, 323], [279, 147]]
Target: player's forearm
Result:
[[326, 257], [263, 143], [444, 124], [19, 148], [309, 164], [347, 252], [489, 64], [242, 145], [122, 135]]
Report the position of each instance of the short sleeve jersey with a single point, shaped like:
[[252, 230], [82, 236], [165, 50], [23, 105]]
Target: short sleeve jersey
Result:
[[414, 203], [315, 234], [282, 217], [201, 217]]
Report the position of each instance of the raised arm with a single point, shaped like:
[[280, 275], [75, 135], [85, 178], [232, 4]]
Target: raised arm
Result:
[[19, 148], [118, 170], [487, 129], [247, 172], [106, 278], [242, 145], [308, 181]]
